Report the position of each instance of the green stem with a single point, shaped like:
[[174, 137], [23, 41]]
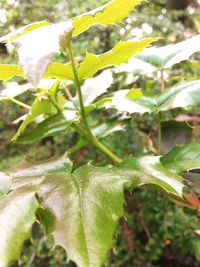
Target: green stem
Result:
[[159, 133], [159, 136], [87, 133], [18, 102]]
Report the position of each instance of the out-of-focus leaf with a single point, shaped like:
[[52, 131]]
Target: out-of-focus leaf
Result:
[[167, 56], [33, 172], [37, 48], [134, 94], [111, 13], [183, 95], [118, 55], [183, 158], [50, 127], [13, 89], [17, 215], [9, 71], [21, 31], [5, 183], [91, 200]]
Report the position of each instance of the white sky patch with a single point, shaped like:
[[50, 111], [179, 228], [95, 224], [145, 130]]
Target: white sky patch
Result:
[[3, 18]]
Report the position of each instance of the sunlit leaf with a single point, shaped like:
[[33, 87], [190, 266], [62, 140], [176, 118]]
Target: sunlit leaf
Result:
[[5, 183], [37, 48], [9, 71], [59, 71], [111, 13], [21, 31], [118, 55], [17, 214], [183, 158], [167, 56]]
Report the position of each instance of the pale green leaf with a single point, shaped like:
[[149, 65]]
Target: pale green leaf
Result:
[[111, 13], [134, 94], [183, 158], [5, 183], [17, 215], [59, 71], [167, 56], [118, 55], [9, 71], [37, 48], [21, 31]]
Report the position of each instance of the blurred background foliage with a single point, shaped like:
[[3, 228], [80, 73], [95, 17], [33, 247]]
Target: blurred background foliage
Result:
[[159, 233]]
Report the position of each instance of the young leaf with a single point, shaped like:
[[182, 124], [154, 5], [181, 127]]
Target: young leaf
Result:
[[39, 107], [50, 127], [9, 71], [183, 158], [111, 13], [118, 55], [37, 48], [167, 56], [17, 214], [21, 31], [59, 71]]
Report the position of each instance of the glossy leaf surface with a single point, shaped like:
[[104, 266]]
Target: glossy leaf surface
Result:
[[183, 158], [17, 214], [167, 56]]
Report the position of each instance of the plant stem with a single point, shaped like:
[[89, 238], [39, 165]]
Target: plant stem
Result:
[[159, 129], [18, 102], [159, 136], [87, 133]]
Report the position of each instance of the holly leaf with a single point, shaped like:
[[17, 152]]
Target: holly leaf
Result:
[[183, 158], [52, 126], [33, 172], [5, 183], [37, 48], [118, 55], [110, 13], [167, 56], [93, 199], [10, 37], [17, 215], [9, 71]]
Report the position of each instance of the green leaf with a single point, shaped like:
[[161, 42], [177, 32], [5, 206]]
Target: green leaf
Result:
[[17, 215], [167, 56], [183, 158], [118, 55], [33, 172], [50, 127], [21, 31], [111, 13], [91, 201], [5, 183], [183, 95], [59, 71], [37, 48], [39, 107], [134, 94], [9, 71]]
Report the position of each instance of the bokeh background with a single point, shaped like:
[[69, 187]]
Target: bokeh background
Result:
[[157, 233]]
